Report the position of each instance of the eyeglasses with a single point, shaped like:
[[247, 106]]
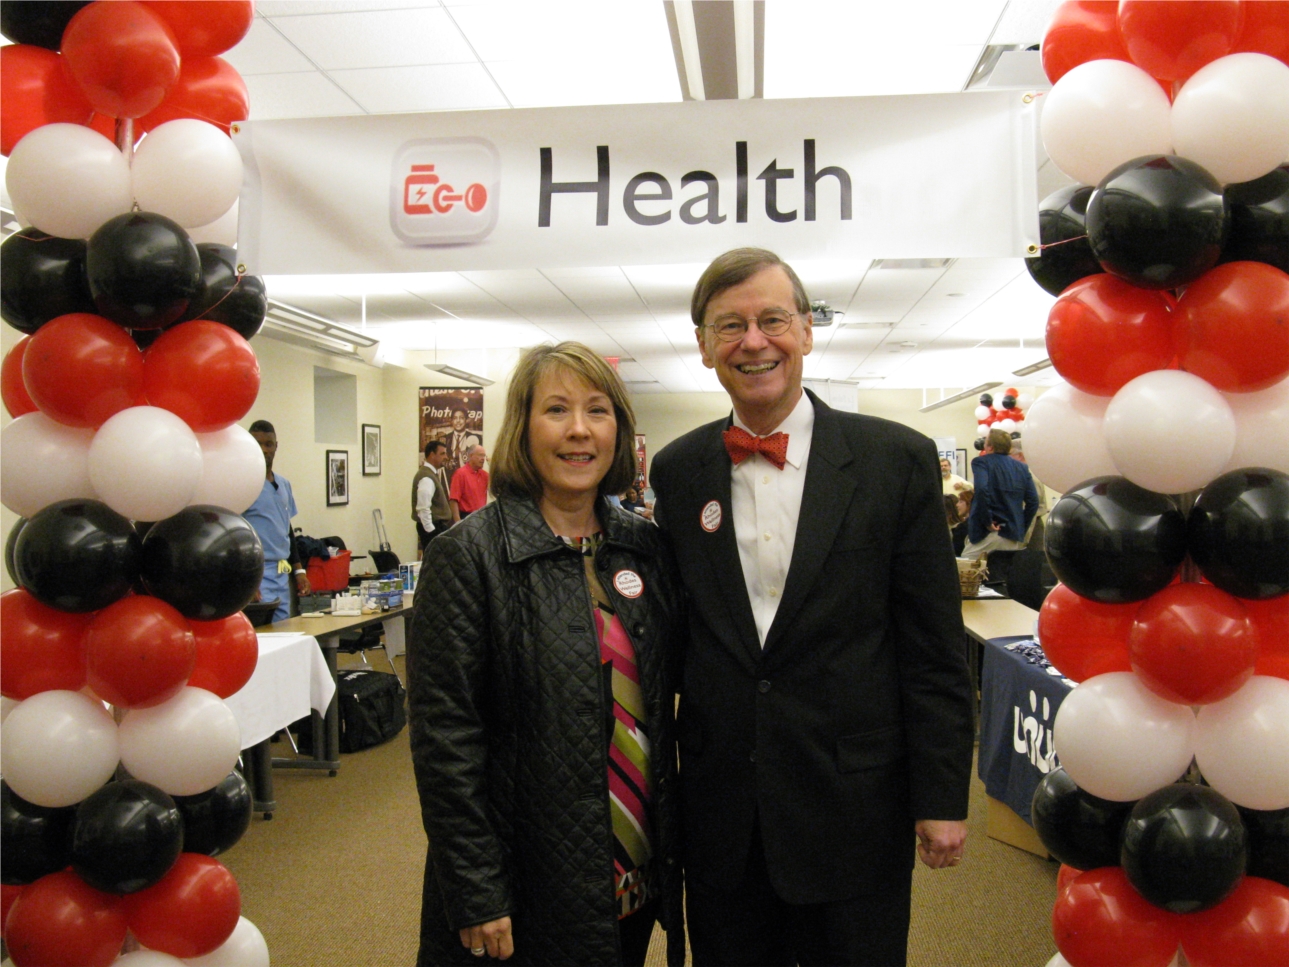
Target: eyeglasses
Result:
[[733, 327]]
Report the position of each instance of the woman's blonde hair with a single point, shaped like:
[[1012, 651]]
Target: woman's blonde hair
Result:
[[513, 472]]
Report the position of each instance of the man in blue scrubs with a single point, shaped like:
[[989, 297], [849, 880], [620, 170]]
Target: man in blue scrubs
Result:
[[271, 515]]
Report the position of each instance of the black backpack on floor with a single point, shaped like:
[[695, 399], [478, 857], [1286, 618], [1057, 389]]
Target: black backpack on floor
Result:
[[371, 708]]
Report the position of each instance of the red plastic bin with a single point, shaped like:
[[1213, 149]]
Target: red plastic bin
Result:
[[329, 574]]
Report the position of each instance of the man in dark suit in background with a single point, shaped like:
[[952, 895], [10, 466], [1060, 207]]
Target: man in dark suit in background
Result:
[[825, 723]]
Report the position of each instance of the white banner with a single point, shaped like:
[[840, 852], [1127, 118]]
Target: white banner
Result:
[[925, 176]]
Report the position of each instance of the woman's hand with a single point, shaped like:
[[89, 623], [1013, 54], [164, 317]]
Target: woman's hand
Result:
[[492, 938]]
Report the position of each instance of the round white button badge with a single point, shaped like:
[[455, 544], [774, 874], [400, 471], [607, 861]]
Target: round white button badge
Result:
[[710, 518], [628, 584]]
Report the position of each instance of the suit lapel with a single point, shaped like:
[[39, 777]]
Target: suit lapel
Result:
[[824, 502]]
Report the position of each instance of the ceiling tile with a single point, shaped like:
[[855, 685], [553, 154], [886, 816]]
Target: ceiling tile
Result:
[[280, 8], [308, 95], [439, 87], [377, 38], [265, 51]]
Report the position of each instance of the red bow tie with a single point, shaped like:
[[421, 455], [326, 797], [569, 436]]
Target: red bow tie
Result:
[[742, 445]]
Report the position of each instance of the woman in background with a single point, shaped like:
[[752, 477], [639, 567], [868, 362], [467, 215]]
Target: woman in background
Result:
[[541, 689], [957, 522]]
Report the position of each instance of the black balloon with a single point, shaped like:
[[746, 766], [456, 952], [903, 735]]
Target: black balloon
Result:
[[143, 338], [1078, 828], [143, 270], [205, 561], [1238, 532], [41, 278], [986, 399], [240, 304], [126, 837], [1184, 847], [1260, 220], [77, 555], [34, 840], [1157, 222], [1268, 832], [1066, 255], [216, 819], [39, 23], [9, 546], [1114, 542]]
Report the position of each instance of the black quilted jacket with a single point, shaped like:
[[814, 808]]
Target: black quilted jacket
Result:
[[509, 729]]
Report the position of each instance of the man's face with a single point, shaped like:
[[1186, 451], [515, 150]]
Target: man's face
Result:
[[438, 457], [268, 446], [944, 468], [477, 458], [761, 373], [458, 421]]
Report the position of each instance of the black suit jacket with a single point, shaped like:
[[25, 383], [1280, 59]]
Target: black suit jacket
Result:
[[855, 719]]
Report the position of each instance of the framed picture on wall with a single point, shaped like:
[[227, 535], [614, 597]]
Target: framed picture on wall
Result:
[[371, 450], [337, 477], [960, 467]]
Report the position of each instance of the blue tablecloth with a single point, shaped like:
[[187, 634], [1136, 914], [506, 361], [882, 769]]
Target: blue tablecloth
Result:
[[1019, 694]]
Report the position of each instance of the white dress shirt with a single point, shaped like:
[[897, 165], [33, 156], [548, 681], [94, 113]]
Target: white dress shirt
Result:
[[766, 503], [424, 497]]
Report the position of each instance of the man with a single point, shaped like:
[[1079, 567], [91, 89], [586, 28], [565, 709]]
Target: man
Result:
[[469, 489], [430, 507], [1006, 499], [271, 515], [460, 440], [825, 721], [951, 483]]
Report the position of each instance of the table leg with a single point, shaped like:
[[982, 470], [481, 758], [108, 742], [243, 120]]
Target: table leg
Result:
[[326, 734], [259, 767]]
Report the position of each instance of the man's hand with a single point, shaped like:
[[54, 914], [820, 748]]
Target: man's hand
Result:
[[492, 938], [302, 584], [940, 841]]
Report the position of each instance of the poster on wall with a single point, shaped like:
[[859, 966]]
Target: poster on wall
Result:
[[453, 415], [642, 481]]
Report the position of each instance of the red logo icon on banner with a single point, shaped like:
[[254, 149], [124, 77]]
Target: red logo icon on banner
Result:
[[444, 191], [424, 194]]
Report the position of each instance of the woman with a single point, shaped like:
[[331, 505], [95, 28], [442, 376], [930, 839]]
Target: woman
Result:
[[633, 503], [957, 523], [542, 694]]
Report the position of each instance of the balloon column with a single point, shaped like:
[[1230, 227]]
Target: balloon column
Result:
[[1008, 416], [1170, 442], [121, 641]]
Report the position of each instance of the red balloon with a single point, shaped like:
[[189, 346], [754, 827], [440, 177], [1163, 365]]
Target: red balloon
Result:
[[1080, 31], [190, 911], [41, 648], [81, 369], [1084, 638], [61, 921], [1232, 326], [1065, 876], [12, 389], [1193, 644], [209, 89], [8, 893], [1103, 332], [1101, 919], [122, 55], [204, 28], [1250, 928], [36, 89], [139, 652], [227, 652], [1173, 39], [1270, 619], [1266, 30], [203, 372]]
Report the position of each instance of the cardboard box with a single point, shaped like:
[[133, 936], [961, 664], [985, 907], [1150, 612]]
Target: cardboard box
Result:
[[1002, 824]]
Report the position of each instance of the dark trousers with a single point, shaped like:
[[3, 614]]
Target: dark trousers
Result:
[[634, 933], [749, 924]]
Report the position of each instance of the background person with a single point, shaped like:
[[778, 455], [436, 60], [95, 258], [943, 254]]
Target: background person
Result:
[[825, 723], [430, 506], [469, 491], [460, 439], [541, 730], [1005, 499], [950, 481], [271, 515]]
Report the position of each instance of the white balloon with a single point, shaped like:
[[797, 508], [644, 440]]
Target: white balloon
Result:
[[58, 747], [1261, 428], [1006, 425], [1242, 744], [187, 170], [222, 231], [68, 179], [148, 958], [183, 746], [244, 948], [41, 462], [1064, 440], [232, 473], [1169, 431], [1119, 740], [1232, 117], [982, 412], [1057, 961], [1023, 401], [1101, 114], [982, 429], [145, 463]]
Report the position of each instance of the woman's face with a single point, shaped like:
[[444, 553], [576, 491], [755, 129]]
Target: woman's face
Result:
[[572, 432], [632, 497]]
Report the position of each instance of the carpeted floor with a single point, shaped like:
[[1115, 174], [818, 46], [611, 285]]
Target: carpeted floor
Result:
[[334, 879]]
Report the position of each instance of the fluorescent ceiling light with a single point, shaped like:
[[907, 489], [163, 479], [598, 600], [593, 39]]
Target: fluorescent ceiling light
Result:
[[688, 34], [293, 325], [1032, 368], [745, 47], [911, 263], [965, 394], [461, 374]]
